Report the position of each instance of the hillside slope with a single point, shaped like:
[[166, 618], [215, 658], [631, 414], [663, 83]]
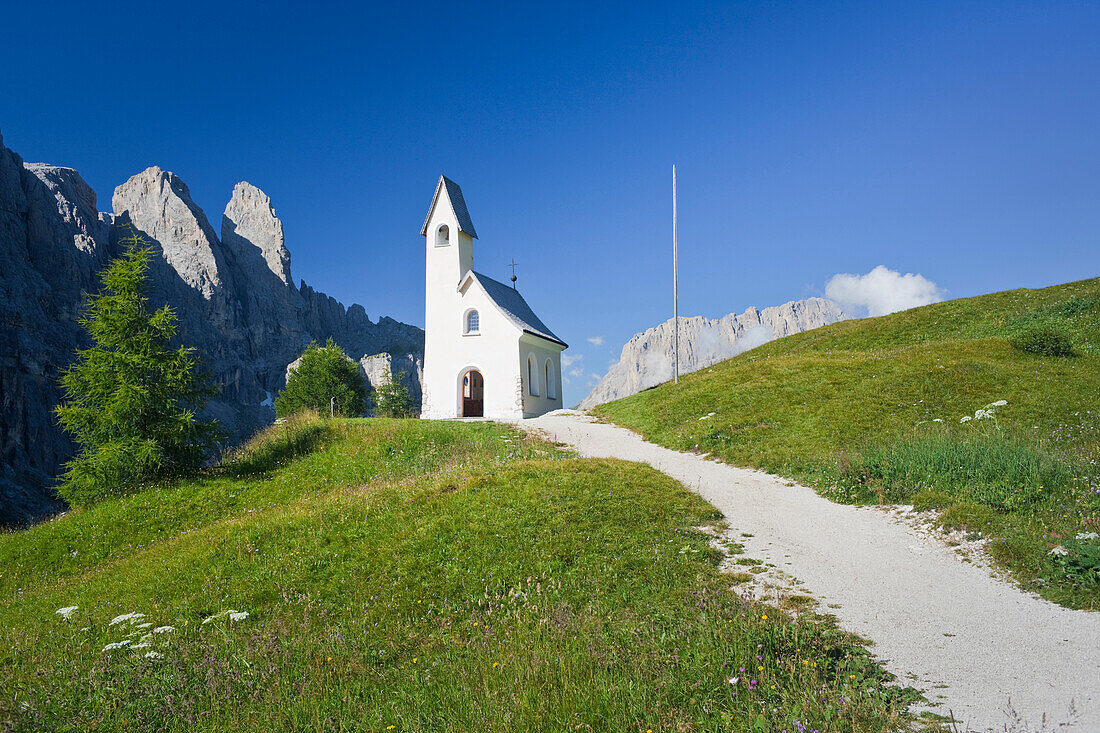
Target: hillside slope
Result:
[[411, 576], [872, 410]]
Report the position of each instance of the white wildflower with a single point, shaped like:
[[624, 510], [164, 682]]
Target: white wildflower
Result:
[[154, 655], [1087, 536], [164, 629], [1059, 551], [966, 418], [116, 645], [232, 613], [733, 680], [998, 403], [66, 611], [982, 414], [937, 419], [131, 617], [145, 625], [141, 645]]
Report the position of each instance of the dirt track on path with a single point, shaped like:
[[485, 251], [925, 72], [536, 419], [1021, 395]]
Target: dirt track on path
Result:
[[977, 646]]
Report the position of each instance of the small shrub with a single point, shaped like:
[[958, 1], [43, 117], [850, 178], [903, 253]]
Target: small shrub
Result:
[[326, 381], [1043, 340], [1079, 560], [392, 399]]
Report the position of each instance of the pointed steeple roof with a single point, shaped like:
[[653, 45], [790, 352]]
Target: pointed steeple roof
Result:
[[458, 206]]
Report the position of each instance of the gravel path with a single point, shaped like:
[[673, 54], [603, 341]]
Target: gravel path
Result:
[[972, 642]]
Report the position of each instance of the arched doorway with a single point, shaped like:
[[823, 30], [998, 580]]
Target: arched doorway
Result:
[[473, 394]]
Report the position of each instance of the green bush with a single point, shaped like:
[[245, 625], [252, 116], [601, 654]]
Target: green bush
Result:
[[1044, 340], [130, 400], [325, 381], [392, 399]]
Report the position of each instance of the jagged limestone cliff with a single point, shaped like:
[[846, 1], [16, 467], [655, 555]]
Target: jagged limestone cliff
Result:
[[646, 359], [234, 296]]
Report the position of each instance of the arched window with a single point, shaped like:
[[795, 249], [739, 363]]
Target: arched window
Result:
[[473, 322], [532, 377], [442, 236], [551, 383]]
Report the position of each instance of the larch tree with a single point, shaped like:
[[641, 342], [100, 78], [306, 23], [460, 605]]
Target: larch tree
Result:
[[131, 400]]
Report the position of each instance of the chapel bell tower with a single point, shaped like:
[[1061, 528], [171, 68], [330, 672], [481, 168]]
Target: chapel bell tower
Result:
[[449, 243]]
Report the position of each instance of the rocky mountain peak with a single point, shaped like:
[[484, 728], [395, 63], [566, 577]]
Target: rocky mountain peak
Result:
[[250, 224], [646, 359], [158, 205], [67, 211]]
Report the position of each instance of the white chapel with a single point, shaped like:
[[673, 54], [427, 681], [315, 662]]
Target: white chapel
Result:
[[486, 353]]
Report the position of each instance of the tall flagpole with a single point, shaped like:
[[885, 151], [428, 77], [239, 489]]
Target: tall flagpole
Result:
[[675, 290]]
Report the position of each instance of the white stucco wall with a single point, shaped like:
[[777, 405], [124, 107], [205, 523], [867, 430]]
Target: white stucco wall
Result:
[[541, 351], [443, 268]]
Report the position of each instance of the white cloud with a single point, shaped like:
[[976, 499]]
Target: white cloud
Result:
[[569, 359], [596, 340], [576, 372], [881, 291]]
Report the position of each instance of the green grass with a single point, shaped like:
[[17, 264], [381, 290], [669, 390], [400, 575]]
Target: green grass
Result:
[[410, 576], [854, 409]]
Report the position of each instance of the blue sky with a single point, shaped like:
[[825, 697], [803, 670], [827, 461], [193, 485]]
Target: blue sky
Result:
[[955, 140]]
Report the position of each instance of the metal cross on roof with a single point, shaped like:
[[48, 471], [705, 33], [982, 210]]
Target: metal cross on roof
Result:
[[513, 264]]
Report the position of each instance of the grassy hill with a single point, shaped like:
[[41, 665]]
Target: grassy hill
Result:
[[873, 410], [410, 576]]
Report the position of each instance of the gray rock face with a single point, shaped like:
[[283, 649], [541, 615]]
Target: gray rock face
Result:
[[381, 368], [233, 297], [159, 205], [646, 359], [249, 225], [52, 241]]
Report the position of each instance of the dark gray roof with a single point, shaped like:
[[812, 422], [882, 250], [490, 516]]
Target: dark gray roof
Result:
[[515, 307], [458, 206]]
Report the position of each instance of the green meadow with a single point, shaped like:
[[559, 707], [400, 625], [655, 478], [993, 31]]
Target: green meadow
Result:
[[409, 575], [885, 410]]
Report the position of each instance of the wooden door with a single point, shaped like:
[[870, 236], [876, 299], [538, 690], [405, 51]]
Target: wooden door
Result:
[[473, 395]]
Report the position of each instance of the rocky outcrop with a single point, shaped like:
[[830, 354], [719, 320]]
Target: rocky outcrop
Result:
[[381, 368], [646, 359], [233, 296], [378, 369]]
